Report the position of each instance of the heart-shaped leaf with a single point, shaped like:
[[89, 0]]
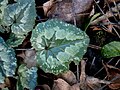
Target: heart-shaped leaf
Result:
[[7, 61], [57, 44], [111, 49], [20, 16], [27, 77]]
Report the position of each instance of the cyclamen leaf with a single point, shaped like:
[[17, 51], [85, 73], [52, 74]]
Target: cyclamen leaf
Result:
[[7, 61], [3, 4], [111, 49], [14, 40], [20, 16], [2, 77], [57, 44], [27, 77], [1, 29]]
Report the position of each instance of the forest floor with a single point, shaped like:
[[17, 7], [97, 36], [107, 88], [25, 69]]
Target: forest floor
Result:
[[101, 21], [103, 29]]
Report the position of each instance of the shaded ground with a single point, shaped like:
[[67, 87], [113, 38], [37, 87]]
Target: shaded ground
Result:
[[100, 33], [98, 38]]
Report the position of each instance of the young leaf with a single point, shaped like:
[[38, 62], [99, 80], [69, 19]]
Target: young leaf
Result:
[[58, 43], [92, 19], [14, 40], [7, 61], [27, 77], [111, 49], [20, 16]]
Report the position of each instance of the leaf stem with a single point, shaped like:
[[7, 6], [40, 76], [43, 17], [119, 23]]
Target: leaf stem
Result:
[[23, 49], [78, 74]]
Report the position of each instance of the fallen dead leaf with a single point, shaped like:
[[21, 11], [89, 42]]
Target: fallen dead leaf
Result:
[[95, 28], [69, 77], [89, 83], [60, 84], [29, 57], [22, 55], [47, 6], [7, 82], [86, 82], [70, 10], [112, 1], [75, 87], [113, 74], [110, 27], [42, 87], [95, 83], [3, 85]]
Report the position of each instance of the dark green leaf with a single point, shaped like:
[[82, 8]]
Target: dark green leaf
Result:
[[111, 49], [20, 16], [3, 4], [58, 43], [27, 77], [14, 40], [7, 61]]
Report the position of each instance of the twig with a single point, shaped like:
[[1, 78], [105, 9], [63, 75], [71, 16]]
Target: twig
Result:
[[107, 19], [101, 18], [117, 8], [115, 78], [94, 46], [42, 19], [23, 49], [103, 67], [93, 61], [83, 76], [117, 62], [106, 29], [111, 10], [78, 74], [41, 6]]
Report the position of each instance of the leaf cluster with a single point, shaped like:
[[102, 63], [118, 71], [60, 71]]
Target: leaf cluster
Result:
[[55, 42]]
